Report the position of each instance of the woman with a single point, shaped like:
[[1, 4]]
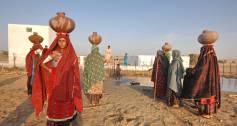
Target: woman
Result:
[[175, 74], [125, 59], [93, 76], [204, 78], [32, 58], [159, 74], [57, 77], [60, 71], [108, 55]]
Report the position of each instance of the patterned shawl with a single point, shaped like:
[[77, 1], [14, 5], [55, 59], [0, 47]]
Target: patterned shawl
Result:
[[94, 69]]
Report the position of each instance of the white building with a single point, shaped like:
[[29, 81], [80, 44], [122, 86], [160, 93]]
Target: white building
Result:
[[145, 62], [18, 43]]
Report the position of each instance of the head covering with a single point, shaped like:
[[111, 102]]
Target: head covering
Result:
[[68, 59], [94, 49], [159, 52], [36, 46], [94, 68], [175, 73], [176, 54]]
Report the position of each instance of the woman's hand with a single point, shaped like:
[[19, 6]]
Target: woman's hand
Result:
[[55, 55], [49, 70]]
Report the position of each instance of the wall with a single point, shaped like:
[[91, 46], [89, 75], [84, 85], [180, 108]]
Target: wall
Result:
[[19, 44]]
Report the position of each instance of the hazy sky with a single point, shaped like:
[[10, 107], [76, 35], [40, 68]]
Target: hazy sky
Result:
[[133, 26]]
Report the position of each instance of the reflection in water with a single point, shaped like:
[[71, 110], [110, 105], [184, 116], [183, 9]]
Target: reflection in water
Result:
[[227, 84]]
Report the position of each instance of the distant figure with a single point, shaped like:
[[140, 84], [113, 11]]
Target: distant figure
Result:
[[32, 58], [166, 49], [108, 55], [159, 74], [126, 59], [175, 74], [118, 72], [203, 81], [45, 49]]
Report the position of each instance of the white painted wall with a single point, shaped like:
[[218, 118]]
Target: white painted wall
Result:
[[82, 61], [145, 62], [19, 44]]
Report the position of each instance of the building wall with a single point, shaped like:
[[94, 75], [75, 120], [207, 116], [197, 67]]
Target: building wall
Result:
[[148, 60], [19, 44]]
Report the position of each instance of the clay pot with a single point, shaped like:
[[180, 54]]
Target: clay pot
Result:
[[166, 47], [35, 38], [61, 23], [208, 37], [95, 39]]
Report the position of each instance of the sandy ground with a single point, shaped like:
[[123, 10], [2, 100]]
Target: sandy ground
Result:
[[122, 105]]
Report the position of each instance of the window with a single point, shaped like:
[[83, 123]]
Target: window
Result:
[[28, 29]]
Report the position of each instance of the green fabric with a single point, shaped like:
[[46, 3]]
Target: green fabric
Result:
[[94, 69], [168, 56]]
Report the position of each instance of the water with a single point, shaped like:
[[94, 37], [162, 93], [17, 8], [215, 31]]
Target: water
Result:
[[227, 84]]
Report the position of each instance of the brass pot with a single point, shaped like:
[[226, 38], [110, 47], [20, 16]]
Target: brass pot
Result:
[[35, 38], [208, 37], [95, 39], [61, 23]]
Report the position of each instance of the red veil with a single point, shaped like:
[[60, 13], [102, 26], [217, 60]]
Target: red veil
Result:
[[67, 65], [29, 57]]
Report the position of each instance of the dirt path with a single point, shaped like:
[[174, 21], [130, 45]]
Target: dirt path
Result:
[[122, 105]]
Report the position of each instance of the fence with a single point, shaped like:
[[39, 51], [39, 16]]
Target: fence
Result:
[[228, 69]]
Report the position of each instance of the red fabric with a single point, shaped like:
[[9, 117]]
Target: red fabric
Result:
[[207, 105], [37, 46], [203, 101], [62, 86], [29, 58], [44, 51], [210, 101], [204, 78], [159, 75], [29, 63]]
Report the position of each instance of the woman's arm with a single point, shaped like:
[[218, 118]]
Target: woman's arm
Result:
[[47, 68]]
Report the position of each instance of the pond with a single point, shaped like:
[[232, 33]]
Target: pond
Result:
[[227, 84]]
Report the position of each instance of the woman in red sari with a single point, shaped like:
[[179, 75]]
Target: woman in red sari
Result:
[[57, 79], [32, 58]]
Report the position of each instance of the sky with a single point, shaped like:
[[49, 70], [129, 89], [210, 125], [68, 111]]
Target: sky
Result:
[[133, 26]]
